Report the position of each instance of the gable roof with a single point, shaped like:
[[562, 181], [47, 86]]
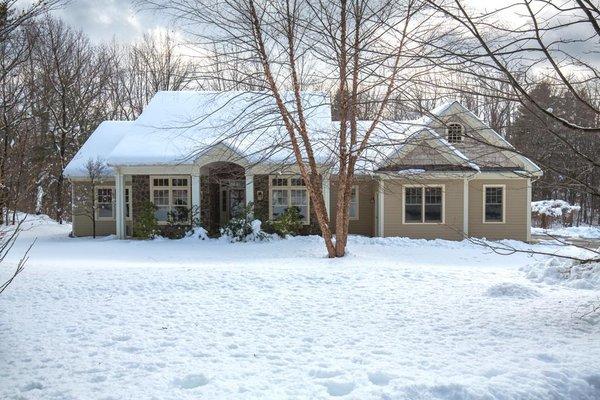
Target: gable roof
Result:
[[176, 127], [184, 127], [97, 147], [422, 129]]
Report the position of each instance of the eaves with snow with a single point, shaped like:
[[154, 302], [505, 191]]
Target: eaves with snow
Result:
[[178, 127]]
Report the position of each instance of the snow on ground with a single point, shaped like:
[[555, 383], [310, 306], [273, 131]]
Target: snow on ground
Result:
[[587, 232], [190, 319]]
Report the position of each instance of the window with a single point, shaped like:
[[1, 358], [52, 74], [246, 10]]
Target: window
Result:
[[127, 204], [289, 192], [423, 204], [353, 209], [104, 203], [171, 197], [493, 204], [455, 133]]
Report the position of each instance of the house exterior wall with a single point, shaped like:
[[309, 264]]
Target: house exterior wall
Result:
[[452, 226], [365, 224], [515, 225], [261, 197], [473, 144], [82, 222]]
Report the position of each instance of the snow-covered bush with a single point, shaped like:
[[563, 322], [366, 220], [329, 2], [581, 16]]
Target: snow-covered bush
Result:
[[198, 232], [549, 212], [288, 223], [567, 272], [243, 227], [146, 226]]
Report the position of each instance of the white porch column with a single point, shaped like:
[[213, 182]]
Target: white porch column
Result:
[[120, 204], [196, 196], [380, 209], [327, 193], [466, 207], [249, 187], [528, 209]]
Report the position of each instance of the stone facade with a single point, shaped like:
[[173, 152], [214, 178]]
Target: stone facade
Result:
[[141, 193]]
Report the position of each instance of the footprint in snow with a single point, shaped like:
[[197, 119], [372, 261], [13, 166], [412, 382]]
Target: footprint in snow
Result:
[[190, 381], [32, 386], [339, 388], [380, 378]]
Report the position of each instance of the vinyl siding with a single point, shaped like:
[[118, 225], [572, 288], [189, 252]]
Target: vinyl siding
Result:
[[82, 223], [365, 224], [453, 209], [515, 220]]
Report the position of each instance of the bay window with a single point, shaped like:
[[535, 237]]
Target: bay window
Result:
[[423, 205], [287, 192]]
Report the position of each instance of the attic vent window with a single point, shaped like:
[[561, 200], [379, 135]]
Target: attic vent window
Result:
[[455, 133]]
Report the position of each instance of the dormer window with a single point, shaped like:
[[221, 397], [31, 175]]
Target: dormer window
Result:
[[455, 133]]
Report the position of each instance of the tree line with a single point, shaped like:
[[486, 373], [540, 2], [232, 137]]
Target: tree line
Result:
[[56, 85]]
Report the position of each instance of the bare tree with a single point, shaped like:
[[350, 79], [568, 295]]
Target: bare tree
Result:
[[95, 172], [8, 237], [72, 82], [348, 48]]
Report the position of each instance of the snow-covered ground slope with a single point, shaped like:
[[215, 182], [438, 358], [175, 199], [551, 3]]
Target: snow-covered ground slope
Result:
[[586, 232], [190, 319]]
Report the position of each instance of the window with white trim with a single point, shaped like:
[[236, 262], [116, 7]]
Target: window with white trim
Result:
[[171, 197], [454, 132], [289, 192], [353, 206], [493, 204], [423, 204], [105, 203]]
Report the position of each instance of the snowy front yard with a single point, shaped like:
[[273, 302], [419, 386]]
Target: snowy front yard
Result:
[[396, 319]]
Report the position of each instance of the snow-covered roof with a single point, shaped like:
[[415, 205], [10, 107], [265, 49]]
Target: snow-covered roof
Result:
[[177, 127], [98, 146]]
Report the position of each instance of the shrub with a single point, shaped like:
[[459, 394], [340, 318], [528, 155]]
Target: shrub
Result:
[[243, 227], [288, 223], [146, 226]]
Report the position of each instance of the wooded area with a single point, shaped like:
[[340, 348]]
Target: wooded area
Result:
[[56, 85]]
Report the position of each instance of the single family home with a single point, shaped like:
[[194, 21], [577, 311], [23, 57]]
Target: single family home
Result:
[[445, 175]]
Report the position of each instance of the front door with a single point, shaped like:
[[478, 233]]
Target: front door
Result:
[[232, 197]]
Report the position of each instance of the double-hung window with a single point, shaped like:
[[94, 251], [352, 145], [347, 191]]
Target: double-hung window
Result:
[[353, 206], [105, 203], [493, 204], [423, 204], [171, 197], [287, 192]]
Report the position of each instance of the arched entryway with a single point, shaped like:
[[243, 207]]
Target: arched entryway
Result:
[[223, 188]]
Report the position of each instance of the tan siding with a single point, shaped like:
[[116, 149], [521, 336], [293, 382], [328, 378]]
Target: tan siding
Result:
[[515, 220], [365, 224], [82, 223], [474, 144], [423, 154], [453, 221]]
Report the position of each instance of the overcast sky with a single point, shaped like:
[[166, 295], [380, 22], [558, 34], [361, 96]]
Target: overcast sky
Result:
[[103, 20]]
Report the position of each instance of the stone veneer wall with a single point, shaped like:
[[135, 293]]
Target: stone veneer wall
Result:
[[261, 207], [140, 187], [205, 203]]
